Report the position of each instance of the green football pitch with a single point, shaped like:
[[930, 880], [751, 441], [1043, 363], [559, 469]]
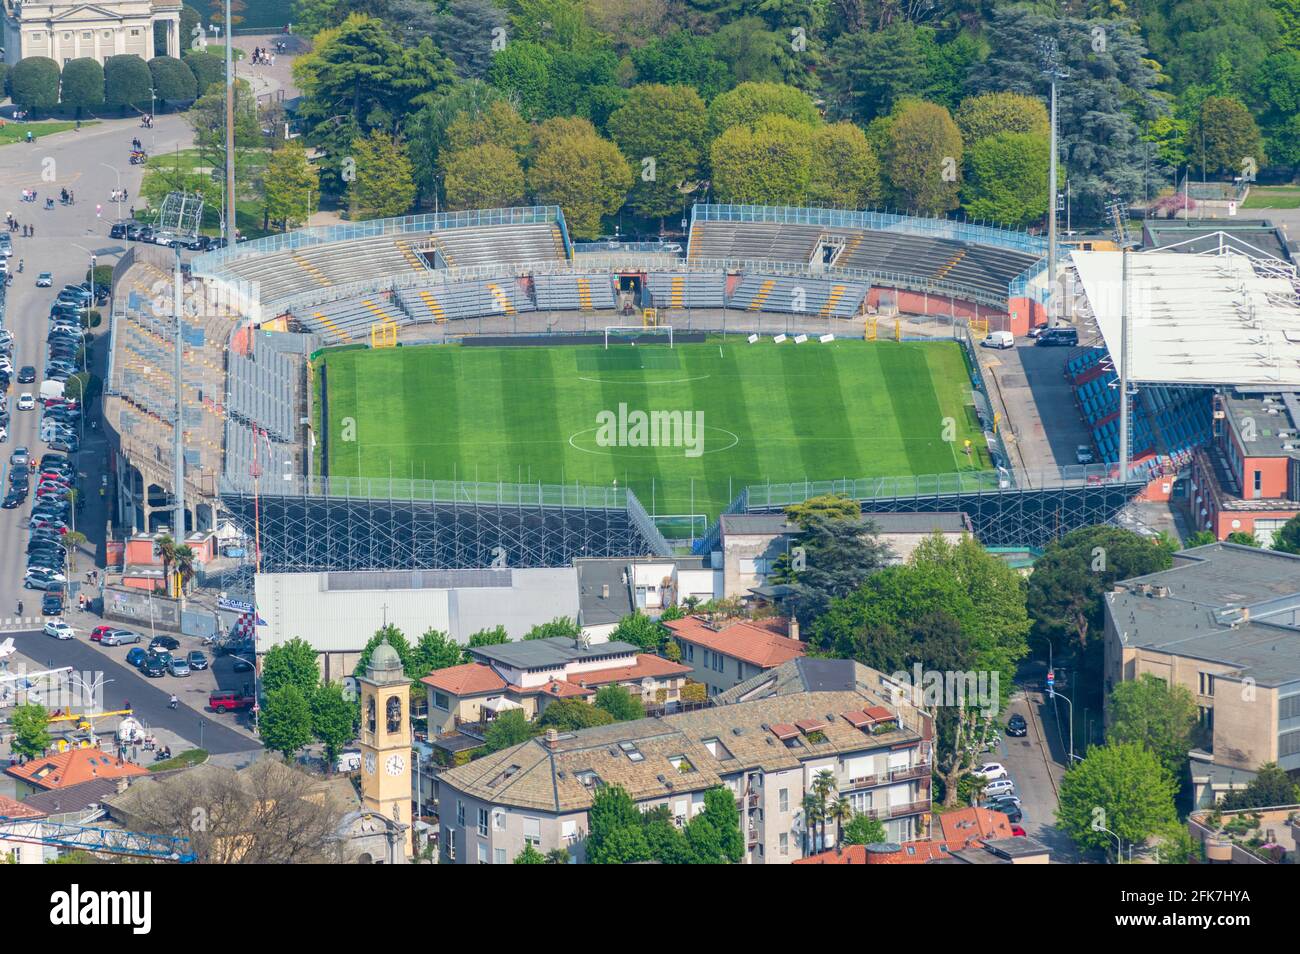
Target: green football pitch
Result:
[[730, 414]]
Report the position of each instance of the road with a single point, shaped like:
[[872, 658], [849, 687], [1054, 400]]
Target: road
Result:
[[148, 698], [1037, 768]]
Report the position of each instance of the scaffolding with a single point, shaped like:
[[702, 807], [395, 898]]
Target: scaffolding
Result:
[[182, 213]]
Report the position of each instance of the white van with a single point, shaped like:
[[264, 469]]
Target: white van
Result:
[[999, 339]]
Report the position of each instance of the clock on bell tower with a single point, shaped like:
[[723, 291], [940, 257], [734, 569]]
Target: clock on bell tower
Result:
[[386, 739]]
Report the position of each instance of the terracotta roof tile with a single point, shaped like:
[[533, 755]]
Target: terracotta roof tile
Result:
[[755, 643], [973, 824], [12, 809], [469, 679], [72, 768], [647, 667]]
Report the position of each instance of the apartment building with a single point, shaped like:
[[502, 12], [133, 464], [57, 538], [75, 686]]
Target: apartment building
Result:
[[610, 588], [1224, 623], [530, 674], [725, 653], [766, 740]]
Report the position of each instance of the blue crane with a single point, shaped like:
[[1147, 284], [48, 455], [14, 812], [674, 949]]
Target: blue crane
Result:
[[113, 841]]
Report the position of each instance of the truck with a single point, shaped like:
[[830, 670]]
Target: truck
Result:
[[230, 700], [51, 390]]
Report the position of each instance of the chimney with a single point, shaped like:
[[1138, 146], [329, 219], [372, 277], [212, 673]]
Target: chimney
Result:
[[794, 627], [552, 739]]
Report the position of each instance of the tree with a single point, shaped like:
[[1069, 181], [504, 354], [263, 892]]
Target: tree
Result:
[[34, 83], [683, 58], [666, 842], [1006, 179], [749, 102], [561, 626], [1225, 137], [714, 836], [385, 183], [614, 833], [845, 171], [1271, 787], [288, 185], [864, 830], [989, 114], [1286, 539], [1124, 788], [332, 718], [509, 728], [529, 856], [285, 720], [435, 650], [523, 72], [619, 703], [83, 84], [1242, 539], [496, 123], [173, 81], [464, 31], [767, 164], [580, 172], [1201, 538], [832, 506], [208, 69], [924, 159], [641, 631], [1158, 716], [291, 663], [127, 81], [31, 730], [483, 177], [567, 715], [838, 554], [484, 637], [667, 125], [427, 129], [397, 640], [871, 72]]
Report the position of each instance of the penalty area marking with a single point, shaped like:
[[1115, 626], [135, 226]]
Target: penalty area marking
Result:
[[702, 377]]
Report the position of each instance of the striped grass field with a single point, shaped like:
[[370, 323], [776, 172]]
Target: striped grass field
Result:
[[770, 412]]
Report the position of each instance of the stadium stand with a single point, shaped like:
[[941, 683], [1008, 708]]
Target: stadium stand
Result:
[[686, 289], [454, 300], [244, 448], [342, 322], [495, 244], [828, 299], [263, 390], [573, 292], [283, 274]]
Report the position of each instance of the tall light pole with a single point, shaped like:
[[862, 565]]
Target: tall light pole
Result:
[[1118, 210], [230, 133], [178, 435], [1049, 55]]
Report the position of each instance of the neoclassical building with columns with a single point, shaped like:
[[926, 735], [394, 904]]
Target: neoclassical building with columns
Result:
[[66, 30]]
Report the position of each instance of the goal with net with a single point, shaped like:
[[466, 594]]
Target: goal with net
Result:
[[638, 334]]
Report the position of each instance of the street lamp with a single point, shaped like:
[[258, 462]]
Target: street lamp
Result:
[[1119, 845]]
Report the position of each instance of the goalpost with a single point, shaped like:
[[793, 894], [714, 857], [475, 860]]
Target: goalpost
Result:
[[636, 334]]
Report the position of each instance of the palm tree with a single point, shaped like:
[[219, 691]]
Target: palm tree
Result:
[[812, 809], [841, 812], [184, 558], [822, 786], [167, 550]]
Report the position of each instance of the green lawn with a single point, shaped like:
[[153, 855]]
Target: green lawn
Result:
[[186, 169], [1273, 197], [17, 132], [770, 412]]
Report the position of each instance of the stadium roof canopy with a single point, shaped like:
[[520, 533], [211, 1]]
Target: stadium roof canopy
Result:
[[1215, 319]]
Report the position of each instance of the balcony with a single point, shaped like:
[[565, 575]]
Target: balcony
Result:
[[919, 770], [751, 837]]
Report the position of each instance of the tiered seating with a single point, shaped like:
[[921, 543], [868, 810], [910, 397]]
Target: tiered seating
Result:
[[283, 274], [573, 292], [264, 391], [686, 290], [340, 322], [274, 459], [497, 244], [754, 241], [1099, 397], [798, 296], [1183, 416], [1084, 361], [454, 300]]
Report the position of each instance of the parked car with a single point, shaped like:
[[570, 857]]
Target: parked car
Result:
[[1016, 725], [990, 771], [197, 660], [52, 604], [1017, 832], [1000, 786], [1066, 336], [164, 642], [1013, 812], [99, 632], [117, 230], [135, 656], [999, 339], [153, 666], [58, 629], [229, 700], [1083, 454], [178, 666], [45, 280], [120, 637]]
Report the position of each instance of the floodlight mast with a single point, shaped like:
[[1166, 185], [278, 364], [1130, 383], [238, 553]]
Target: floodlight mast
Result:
[[1049, 55], [1118, 210]]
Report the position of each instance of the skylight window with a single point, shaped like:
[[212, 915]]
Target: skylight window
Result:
[[631, 751]]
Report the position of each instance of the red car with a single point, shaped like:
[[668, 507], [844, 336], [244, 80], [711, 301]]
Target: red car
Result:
[[98, 632], [229, 700], [1017, 831]]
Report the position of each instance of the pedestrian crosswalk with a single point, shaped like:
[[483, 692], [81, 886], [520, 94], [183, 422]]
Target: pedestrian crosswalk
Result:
[[20, 622]]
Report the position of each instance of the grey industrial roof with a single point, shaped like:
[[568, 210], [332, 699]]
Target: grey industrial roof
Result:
[[593, 576], [953, 521], [1222, 603], [805, 675], [1273, 422], [549, 653], [1202, 234]]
